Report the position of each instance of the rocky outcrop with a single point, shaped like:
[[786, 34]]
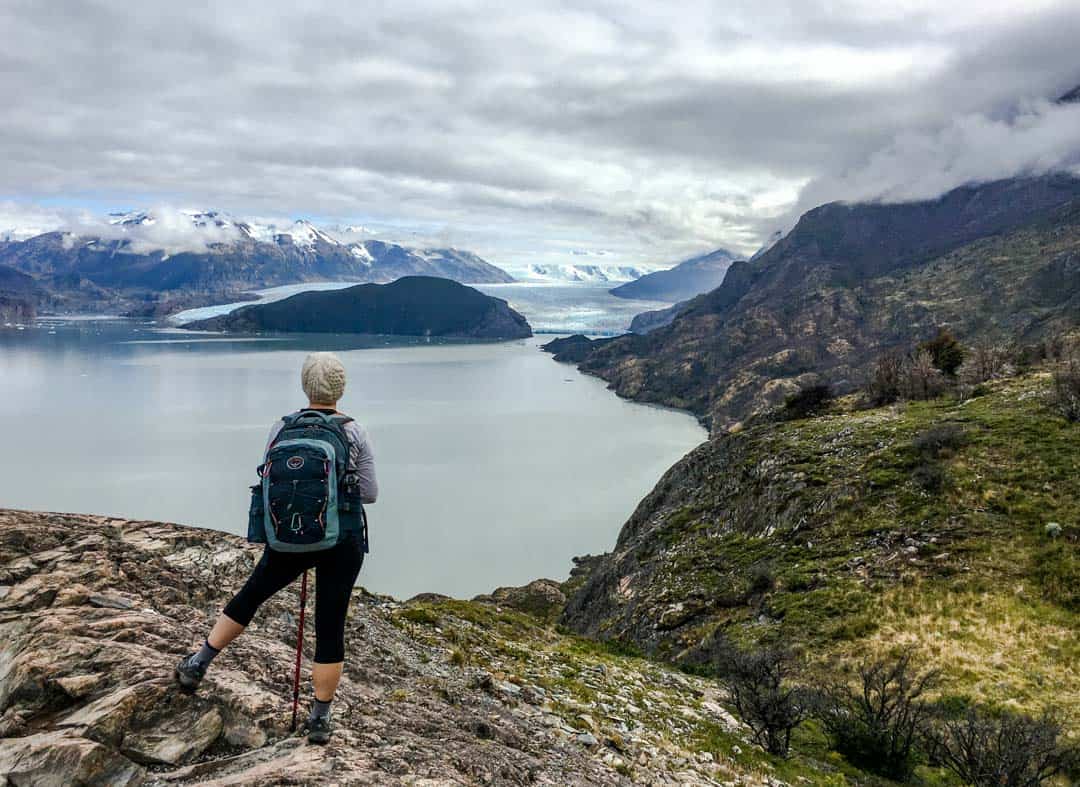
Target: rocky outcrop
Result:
[[95, 611], [410, 306], [658, 318], [571, 349], [543, 598]]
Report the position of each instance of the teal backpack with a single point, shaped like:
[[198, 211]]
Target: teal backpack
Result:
[[300, 504]]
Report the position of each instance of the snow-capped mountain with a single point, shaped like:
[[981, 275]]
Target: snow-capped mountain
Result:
[[187, 255], [591, 274]]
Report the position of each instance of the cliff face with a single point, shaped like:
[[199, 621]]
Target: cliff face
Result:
[[997, 261], [94, 613], [410, 306]]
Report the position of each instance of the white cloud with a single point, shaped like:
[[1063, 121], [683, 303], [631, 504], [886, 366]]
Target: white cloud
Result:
[[1042, 137], [522, 131]]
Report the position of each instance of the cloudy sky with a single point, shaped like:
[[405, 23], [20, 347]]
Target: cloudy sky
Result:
[[638, 132]]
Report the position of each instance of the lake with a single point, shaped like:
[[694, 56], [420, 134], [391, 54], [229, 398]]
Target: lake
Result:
[[496, 464]]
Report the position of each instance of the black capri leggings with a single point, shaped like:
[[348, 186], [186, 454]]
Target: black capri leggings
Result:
[[336, 570]]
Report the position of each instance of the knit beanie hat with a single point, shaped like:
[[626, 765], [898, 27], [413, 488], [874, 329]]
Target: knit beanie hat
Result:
[[323, 378]]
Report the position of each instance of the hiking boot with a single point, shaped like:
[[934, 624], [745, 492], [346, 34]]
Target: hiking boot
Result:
[[189, 673], [319, 729]]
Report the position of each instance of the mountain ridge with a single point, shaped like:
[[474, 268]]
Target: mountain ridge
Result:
[[852, 281], [682, 281]]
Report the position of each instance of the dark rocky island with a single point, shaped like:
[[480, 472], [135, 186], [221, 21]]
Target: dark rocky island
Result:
[[410, 306]]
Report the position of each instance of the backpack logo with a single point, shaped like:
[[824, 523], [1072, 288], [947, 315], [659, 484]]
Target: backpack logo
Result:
[[294, 462]]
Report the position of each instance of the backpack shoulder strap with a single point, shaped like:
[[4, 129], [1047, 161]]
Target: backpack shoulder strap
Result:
[[335, 423]]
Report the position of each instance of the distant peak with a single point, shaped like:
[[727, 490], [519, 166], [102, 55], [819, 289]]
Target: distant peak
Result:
[[131, 218], [1072, 97]]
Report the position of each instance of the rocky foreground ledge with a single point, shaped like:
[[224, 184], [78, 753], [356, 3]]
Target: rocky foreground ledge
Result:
[[95, 611]]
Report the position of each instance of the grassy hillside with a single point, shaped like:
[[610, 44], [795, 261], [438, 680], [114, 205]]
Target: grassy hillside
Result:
[[918, 525]]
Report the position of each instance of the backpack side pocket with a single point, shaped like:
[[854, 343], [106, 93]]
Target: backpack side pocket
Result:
[[256, 514]]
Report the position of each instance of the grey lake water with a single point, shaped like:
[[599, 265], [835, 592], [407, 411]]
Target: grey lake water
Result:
[[496, 464]]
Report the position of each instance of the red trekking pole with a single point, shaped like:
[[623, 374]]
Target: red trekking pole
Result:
[[299, 650]]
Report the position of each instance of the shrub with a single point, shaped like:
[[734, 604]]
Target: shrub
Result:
[[420, 615], [930, 446], [759, 684], [761, 579], [939, 440], [945, 351], [921, 379], [886, 380], [1065, 395], [1001, 749], [877, 727], [930, 476], [809, 400]]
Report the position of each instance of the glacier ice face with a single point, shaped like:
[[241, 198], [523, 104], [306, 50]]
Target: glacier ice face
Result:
[[592, 274]]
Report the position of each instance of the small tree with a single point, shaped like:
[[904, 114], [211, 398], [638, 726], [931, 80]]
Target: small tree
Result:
[[877, 726], [759, 685], [1065, 395], [947, 353], [1002, 750], [985, 362], [886, 379]]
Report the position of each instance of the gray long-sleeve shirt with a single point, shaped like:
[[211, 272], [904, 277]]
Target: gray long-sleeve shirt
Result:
[[361, 458]]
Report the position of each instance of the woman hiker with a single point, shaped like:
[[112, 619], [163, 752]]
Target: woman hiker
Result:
[[306, 523]]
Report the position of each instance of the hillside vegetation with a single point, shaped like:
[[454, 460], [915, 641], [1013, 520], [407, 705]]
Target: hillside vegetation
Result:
[[946, 527]]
